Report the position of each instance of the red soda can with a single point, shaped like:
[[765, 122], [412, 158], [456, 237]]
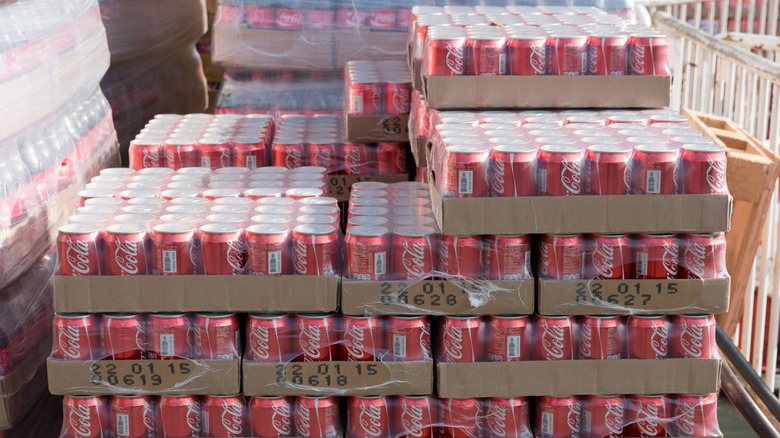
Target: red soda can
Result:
[[224, 416], [413, 252], [323, 153], [445, 56], [358, 159], [486, 55], [464, 173], [362, 338], [561, 257], [288, 154], [288, 19], [607, 170], [124, 337], [368, 417], [567, 54], [603, 416], [214, 153], [415, 416], [692, 337], [391, 159], [133, 416], [703, 169], [696, 415], [317, 416], [257, 17], [556, 338], [527, 55], [179, 416], [215, 336], [168, 336], [648, 337], [656, 256], [180, 153], [364, 97], [509, 338], [248, 153], [654, 170], [600, 337], [85, 416], [647, 55], [269, 338], [461, 418], [367, 250], [559, 171], [408, 338], [382, 19], [462, 339], [508, 257], [145, 154], [508, 417], [609, 257], [315, 250], [77, 337], [224, 249], [126, 249], [174, 250], [460, 257], [513, 171], [271, 416], [607, 53], [648, 416], [79, 249], [397, 96], [317, 337], [268, 250], [558, 417], [704, 256]]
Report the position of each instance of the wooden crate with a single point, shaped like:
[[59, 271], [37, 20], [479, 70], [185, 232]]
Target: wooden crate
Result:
[[751, 174]]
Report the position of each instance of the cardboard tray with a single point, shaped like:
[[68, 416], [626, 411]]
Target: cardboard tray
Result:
[[339, 186], [578, 377], [437, 297], [517, 92], [157, 377], [338, 378], [625, 297], [377, 129], [195, 293], [419, 150]]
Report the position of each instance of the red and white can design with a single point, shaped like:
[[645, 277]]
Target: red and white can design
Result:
[[603, 416], [415, 416], [145, 154], [317, 337], [656, 256], [559, 170], [486, 55], [79, 249], [257, 17], [509, 338], [610, 257], [648, 337], [648, 55], [367, 251], [317, 416], [248, 153], [600, 337], [527, 55], [461, 418], [315, 250], [558, 417], [180, 154], [413, 252], [224, 249], [224, 416], [214, 153], [391, 159], [382, 19], [85, 416], [607, 54], [364, 97], [648, 416], [76, 337], [179, 416], [358, 159], [568, 55], [269, 338], [556, 338], [397, 97], [462, 339], [704, 256], [654, 170], [322, 153], [696, 415], [124, 337], [508, 417], [133, 416], [174, 250], [508, 257], [368, 417], [215, 336], [271, 416], [126, 249], [408, 338], [513, 171], [703, 169], [268, 250], [362, 338], [290, 155], [464, 172], [692, 337], [561, 257], [168, 336], [460, 257], [607, 170], [289, 18], [445, 56]]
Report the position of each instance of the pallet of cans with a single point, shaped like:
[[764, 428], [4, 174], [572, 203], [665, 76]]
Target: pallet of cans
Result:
[[398, 262], [564, 355], [538, 57], [329, 354], [377, 99], [633, 415], [509, 172], [419, 123], [159, 240]]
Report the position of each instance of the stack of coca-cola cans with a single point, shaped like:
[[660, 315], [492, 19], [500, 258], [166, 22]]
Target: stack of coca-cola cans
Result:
[[377, 88]]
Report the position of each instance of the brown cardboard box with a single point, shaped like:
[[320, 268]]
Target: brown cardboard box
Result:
[[369, 45], [419, 151], [575, 377], [339, 186], [417, 79], [338, 378], [160, 377], [437, 297], [377, 129], [21, 389], [196, 293], [624, 297], [482, 92]]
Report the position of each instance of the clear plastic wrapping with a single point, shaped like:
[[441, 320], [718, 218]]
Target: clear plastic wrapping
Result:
[[377, 88]]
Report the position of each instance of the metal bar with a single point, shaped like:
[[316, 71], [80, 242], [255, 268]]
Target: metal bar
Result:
[[745, 404], [747, 315]]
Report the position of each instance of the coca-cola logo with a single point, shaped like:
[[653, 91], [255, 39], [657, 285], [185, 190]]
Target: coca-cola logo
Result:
[[224, 157], [571, 174], [412, 419], [638, 59], [294, 158], [150, 419], [170, 159], [370, 419], [669, 259], [289, 18], [193, 253], [586, 336], [497, 420], [573, 419], [193, 419], [77, 256], [593, 53], [455, 60], [400, 163], [126, 256], [194, 335], [70, 341], [310, 342], [236, 258], [400, 100], [544, 258], [497, 182], [233, 419], [686, 419], [80, 419], [355, 341], [151, 158], [604, 260], [354, 161], [413, 258], [692, 339], [444, 256], [538, 60], [553, 337], [647, 419], [453, 343], [613, 418], [695, 257], [322, 157], [716, 176], [383, 19], [627, 178], [300, 254], [659, 341], [303, 420], [425, 339], [280, 420], [259, 342]]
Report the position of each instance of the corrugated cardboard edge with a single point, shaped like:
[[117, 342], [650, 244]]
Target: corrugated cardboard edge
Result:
[[406, 378], [370, 129], [711, 296], [222, 377], [479, 92], [418, 150], [578, 377], [195, 293]]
